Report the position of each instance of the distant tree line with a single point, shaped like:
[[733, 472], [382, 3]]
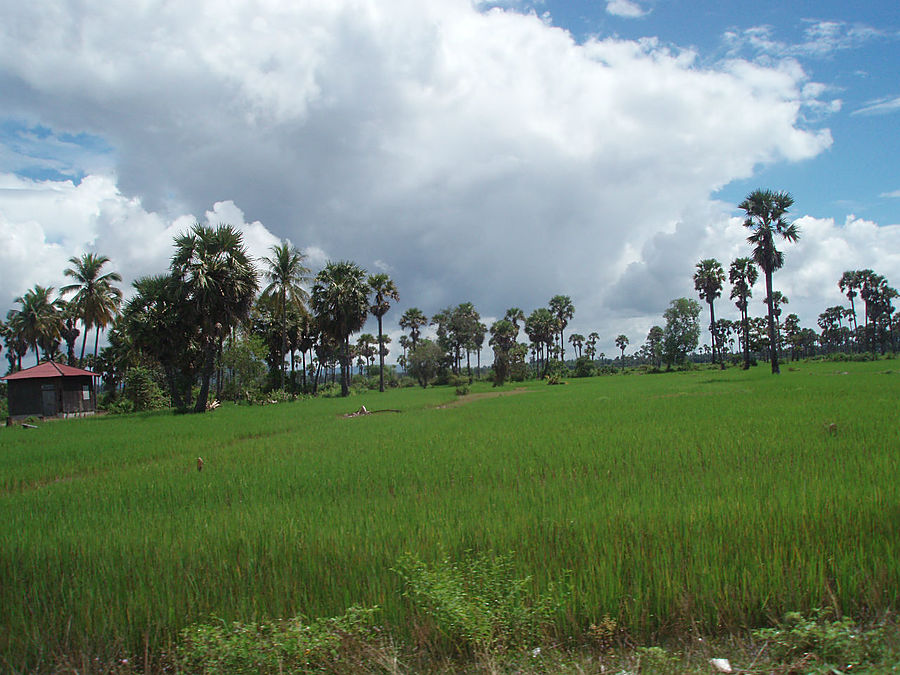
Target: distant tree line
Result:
[[214, 325]]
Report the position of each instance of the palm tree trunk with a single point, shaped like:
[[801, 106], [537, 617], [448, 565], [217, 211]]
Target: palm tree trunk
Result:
[[380, 357], [283, 334], [83, 343], [773, 343], [96, 344], [209, 363], [712, 330]]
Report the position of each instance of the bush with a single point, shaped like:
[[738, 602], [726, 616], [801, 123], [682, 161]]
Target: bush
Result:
[[836, 642], [276, 646], [584, 367], [479, 604], [142, 390], [461, 382]]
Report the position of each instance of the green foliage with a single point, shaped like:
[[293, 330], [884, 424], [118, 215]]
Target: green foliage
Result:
[[425, 361], [656, 660], [584, 367], [460, 383], [682, 332], [142, 389], [478, 603], [836, 642], [293, 645], [120, 406], [244, 360]]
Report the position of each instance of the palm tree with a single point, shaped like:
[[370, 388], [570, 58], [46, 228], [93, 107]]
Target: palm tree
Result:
[[340, 300], [14, 338], [621, 343], [708, 281], [514, 315], [742, 275], [385, 290], [95, 296], [592, 340], [285, 273], [220, 283], [562, 309], [412, 320], [766, 211], [849, 283], [39, 322], [70, 331], [577, 341]]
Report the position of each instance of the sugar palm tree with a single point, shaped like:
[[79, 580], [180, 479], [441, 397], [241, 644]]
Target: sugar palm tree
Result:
[[340, 301], [742, 275], [412, 320], [385, 290], [850, 283], [621, 343], [708, 281], [577, 341], [766, 218], [562, 309], [95, 296], [286, 274], [220, 284]]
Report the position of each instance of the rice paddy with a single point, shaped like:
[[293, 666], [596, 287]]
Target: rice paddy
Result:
[[711, 500]]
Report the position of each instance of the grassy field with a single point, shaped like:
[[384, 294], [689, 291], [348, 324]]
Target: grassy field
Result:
[[710, 500]]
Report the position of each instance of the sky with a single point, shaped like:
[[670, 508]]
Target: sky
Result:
[[498, 153]]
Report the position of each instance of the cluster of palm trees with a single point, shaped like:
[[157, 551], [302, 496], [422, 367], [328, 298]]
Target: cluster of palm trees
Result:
[[766, 218], [45, 321]]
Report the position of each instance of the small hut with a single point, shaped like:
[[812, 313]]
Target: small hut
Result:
[[51, 390]]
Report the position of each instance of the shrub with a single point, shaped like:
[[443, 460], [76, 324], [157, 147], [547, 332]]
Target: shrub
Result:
[[837, 642], [275, 646], [584, 367], [142, 390], [479, 604]]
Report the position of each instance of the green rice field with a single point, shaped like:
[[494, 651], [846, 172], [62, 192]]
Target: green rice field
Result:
[[710, 500]]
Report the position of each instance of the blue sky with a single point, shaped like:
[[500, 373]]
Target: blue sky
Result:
[[493, 152], [858, 63]]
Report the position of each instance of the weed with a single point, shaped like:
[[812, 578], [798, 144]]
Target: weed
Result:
[[835, 642]]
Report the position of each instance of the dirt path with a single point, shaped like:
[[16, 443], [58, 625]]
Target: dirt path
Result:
[[469, 398]]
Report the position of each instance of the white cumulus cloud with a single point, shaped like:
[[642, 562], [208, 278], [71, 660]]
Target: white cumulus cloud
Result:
[[482, 154]]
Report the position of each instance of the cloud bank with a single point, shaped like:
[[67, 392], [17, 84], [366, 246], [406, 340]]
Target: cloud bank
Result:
[[479, 154]]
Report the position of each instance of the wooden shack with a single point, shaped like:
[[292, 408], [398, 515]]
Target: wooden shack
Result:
[[51, 390]]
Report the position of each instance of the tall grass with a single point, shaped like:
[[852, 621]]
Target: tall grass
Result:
[[712, 499]]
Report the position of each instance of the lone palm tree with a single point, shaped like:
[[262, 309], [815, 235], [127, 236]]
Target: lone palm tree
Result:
[[708, 281], [621, 343], [220, 284], [340, 301], [285, 273], [385, 290], [95, 296], [766, 211]]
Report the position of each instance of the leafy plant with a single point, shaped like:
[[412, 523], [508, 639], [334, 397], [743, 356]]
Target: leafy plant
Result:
[[838, 642], [479, 603], [292, 645]]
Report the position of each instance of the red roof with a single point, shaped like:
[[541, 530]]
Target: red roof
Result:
[[49, 369]]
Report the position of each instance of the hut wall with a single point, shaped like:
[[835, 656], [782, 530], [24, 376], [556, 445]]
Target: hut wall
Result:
[[25, 398], [78, 395]]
